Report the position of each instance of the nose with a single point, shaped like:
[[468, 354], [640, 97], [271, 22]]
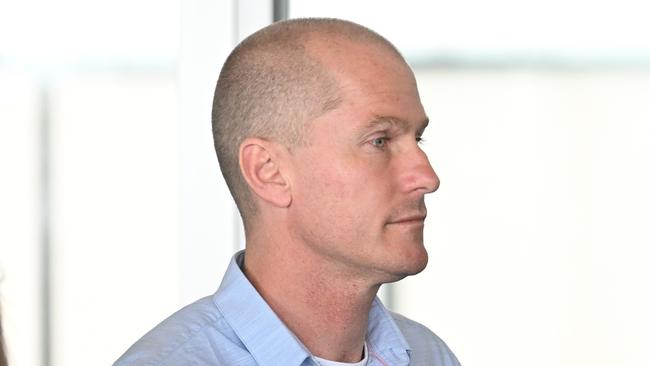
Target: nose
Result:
[[419, 174]]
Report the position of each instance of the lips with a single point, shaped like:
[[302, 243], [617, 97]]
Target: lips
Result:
[[411, 219]]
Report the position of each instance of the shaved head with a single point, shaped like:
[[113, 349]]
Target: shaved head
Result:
[[273, 84]]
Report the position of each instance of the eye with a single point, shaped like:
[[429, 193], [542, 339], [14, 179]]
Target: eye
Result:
[[420, 140], [379, 141]]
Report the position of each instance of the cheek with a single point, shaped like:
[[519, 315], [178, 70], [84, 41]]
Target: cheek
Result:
[[342, 186], [345, 188], [353, 199], [327, 192]]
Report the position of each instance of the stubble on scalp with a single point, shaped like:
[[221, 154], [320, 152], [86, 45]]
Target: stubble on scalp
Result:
[[272, 85]]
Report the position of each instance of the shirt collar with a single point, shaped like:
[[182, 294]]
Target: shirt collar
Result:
[[384, 336], [267, 339], [270, 342]]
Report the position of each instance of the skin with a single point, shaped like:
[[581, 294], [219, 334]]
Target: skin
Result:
[[345, 213]]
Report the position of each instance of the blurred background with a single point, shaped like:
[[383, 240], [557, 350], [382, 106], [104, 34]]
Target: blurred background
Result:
[[113, 212]]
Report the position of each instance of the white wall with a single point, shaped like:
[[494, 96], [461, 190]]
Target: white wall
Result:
[[538, 234], [115, 228], [20, 270], [141, 221], [207, 214]]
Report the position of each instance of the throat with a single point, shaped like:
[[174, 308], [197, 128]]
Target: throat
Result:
[[327, 310]]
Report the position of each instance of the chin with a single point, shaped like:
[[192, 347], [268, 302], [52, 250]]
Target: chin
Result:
[[418, 263], [408, 264]]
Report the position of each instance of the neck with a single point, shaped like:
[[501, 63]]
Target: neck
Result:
[[324, 307]]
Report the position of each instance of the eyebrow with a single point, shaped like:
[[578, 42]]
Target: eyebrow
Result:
[[394, 122]]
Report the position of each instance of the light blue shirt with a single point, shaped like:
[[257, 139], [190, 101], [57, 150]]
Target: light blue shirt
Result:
[[235, 326]]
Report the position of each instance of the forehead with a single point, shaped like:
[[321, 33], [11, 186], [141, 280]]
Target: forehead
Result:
[[380, 91], [372, 80]]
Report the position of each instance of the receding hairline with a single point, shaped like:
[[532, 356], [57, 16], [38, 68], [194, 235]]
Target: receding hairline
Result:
[[315, 43]]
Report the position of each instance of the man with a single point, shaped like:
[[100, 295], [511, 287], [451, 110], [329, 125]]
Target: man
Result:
[[316, 125]]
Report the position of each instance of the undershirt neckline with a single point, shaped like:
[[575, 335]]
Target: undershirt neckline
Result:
[[363, 362]]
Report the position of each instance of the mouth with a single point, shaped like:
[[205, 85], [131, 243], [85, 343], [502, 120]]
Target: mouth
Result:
[[409, 220]]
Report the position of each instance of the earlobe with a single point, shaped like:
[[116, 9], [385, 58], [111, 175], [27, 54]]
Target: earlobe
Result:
[[260, 164]]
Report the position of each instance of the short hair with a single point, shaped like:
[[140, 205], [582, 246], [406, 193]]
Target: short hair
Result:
[[271, 86]]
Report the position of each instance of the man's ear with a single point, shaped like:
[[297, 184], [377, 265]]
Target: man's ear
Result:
[[260, 162]]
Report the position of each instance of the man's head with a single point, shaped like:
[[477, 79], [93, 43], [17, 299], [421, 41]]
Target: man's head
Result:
[[318, 122], [271, 86]]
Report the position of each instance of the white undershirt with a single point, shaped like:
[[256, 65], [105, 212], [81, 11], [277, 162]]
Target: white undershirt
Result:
[[324, 362]]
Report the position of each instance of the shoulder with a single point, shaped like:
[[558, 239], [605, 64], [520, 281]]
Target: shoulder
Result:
[[194, 335], [425, 345]]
